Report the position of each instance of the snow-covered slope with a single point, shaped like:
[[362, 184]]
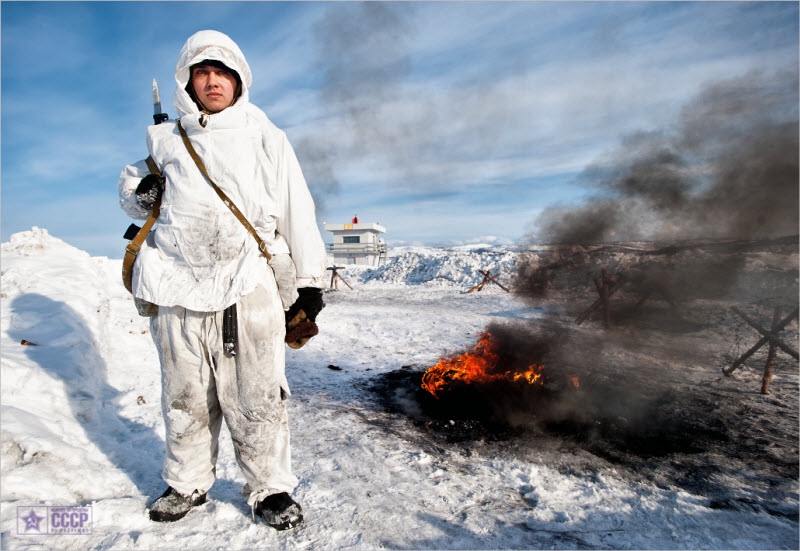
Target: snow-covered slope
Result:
[[460, 266], [81, 426]]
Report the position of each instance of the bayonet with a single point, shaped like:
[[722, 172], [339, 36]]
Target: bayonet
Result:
[[158, 116]]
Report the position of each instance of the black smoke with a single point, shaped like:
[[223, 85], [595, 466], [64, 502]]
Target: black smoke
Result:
[[728, 169], [363, 59], [676, 217]]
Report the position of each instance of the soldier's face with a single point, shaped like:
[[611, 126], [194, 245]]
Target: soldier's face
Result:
[[215, 87]]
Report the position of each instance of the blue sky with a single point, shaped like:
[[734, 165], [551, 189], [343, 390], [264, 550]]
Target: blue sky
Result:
[[447, 122]]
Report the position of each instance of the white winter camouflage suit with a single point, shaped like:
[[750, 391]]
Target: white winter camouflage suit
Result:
[[200, 259]]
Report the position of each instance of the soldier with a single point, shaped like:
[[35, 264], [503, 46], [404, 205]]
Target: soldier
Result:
[[204, 271]]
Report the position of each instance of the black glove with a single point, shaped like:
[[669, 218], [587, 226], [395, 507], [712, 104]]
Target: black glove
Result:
[[300, 317], [149, 191], [309, 301]]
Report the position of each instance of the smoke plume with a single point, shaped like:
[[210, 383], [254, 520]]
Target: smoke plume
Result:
[[675, 217], [727, 170], [316, 160], [361, 64], [417, 134]]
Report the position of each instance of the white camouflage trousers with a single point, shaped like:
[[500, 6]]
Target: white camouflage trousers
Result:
[[201, 386]]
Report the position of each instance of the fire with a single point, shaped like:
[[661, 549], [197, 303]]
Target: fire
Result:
[[480, 366]]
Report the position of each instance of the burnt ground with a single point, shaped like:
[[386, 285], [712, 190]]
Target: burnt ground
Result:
[[653, 402]]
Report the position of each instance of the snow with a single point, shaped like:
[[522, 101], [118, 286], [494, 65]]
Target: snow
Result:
[[81, 425], [459, 266]]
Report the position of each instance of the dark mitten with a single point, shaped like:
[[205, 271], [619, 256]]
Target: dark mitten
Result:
[[301, 317], [149, 191], [309, 300]]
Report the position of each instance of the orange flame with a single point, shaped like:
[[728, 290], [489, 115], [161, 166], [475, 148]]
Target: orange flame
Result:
[[477, 367]]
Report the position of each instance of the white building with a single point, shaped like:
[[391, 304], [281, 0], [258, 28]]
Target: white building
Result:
[[357, 243]]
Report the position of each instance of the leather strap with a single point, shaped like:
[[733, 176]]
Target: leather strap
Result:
[[132, 250], [151, 164], [228, 203]]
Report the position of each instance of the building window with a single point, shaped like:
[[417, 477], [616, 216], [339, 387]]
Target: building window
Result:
[[351, 239]]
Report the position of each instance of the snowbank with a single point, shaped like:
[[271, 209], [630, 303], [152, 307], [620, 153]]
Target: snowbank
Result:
[[450, 267]]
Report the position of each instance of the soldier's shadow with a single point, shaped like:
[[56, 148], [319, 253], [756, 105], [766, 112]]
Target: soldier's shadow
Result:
[[66, 349]]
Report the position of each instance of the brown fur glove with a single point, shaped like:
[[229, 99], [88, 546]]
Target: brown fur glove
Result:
[[301, 317]]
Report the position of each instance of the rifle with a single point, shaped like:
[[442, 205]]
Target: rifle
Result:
[[136, 234], [158, 118]]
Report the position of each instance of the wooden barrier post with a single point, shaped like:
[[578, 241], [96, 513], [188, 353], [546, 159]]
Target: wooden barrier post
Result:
[[606, 284], [488, 278], [336, 276], [769, 337]]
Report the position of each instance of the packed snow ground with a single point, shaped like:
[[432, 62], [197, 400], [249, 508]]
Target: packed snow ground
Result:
[[81, 425]]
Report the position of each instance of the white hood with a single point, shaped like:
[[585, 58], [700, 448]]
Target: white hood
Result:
[[212, 45]]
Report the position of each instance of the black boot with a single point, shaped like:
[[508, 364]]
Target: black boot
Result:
[[172, 505], [280, 511]]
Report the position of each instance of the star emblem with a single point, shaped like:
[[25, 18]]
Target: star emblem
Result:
[[32, 521]]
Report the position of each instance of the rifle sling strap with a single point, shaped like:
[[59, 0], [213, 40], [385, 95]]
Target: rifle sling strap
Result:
[[132, 249], [228, 203]]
